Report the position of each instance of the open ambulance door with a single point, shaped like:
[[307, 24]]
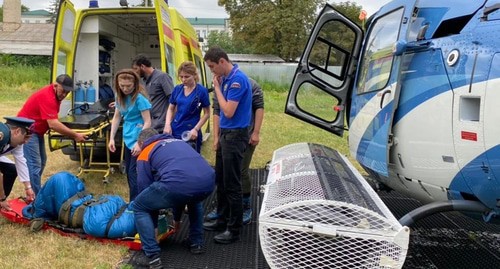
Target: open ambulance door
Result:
[[166, 38], [63, 52]]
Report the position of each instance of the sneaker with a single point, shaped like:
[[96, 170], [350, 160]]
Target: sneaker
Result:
[[213, 215], [193, 248], [155, 264], [140, 259], [247, 216]]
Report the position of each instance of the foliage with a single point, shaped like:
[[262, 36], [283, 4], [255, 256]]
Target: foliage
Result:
[[28, 60], [53, 10], [350, 9], [278, 27], [223, 40]]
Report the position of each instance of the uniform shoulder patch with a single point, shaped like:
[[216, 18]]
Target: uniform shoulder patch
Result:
[[235, 85]]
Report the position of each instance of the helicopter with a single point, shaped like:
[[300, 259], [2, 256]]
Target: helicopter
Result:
[[418, 92]]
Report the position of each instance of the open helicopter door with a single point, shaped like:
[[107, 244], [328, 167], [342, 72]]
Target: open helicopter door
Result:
[[376, 91], [323, 80], [318, 211]]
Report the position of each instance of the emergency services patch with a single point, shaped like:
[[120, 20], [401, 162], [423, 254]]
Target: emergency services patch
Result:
[[235, 85]]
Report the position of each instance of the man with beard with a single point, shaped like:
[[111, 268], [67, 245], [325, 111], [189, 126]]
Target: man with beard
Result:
[[159, 86]]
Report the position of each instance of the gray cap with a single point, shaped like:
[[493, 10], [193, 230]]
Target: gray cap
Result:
[[66, 82]]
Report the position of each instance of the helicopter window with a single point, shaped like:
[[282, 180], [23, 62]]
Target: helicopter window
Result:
[[330, 54], [315, 101], [376, 65]]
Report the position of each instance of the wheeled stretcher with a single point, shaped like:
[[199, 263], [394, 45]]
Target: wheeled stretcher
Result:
[[97, 129]]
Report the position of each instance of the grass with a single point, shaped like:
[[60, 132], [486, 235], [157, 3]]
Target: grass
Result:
[[23, 249]]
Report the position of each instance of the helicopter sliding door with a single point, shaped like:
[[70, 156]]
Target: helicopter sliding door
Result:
[[377, 87]]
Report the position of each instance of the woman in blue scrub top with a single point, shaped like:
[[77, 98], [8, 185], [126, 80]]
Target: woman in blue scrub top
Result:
[[131, 104], [186, 103]]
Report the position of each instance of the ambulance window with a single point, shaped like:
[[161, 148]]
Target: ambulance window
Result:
[[376, 65], [61, 62], [199, 66], [68, 26], [170, 61]]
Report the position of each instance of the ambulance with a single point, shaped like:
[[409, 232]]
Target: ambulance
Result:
[[92, 44]]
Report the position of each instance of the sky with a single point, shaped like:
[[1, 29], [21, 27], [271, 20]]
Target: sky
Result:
[[191, 8]]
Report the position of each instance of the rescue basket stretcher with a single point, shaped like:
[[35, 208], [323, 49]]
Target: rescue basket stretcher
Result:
[[319, 212]]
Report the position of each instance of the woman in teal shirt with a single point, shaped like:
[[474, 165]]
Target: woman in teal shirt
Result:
[[131, 103]]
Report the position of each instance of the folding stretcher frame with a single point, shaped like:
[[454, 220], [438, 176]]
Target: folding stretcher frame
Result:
[[96, 128]]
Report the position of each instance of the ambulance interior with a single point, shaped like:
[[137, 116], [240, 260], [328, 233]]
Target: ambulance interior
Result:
[[108, 43]]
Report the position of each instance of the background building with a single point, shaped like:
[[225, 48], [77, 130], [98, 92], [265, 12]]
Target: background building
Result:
[[36, 16], [203, 27]]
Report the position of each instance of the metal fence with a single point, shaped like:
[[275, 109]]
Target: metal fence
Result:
[[279, 73]]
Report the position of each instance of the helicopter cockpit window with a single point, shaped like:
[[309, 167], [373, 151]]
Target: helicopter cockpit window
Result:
[[377, 60], [330, 54]]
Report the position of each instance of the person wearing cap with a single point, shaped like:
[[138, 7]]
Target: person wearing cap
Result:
[[43, 107], [13, 134]]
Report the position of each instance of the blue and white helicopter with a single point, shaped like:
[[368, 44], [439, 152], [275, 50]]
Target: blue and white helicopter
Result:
[[420, 94]]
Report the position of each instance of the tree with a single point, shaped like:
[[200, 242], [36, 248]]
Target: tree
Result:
[[53, 9], [279, 27], [350, 9], [221, 39]]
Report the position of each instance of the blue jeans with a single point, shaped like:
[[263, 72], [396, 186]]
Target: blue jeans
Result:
[[36, 158], [131, 168], [155, 197]]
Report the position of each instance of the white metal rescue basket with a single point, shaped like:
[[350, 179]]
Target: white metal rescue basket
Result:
[[319, 212]]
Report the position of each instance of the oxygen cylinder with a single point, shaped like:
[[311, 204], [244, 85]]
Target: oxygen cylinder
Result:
[[91, 93], [79, 98]]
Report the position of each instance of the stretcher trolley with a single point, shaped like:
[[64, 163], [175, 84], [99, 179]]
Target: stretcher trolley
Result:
[[93, 153]]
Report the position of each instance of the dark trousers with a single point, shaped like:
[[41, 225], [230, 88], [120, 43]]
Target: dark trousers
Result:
[[131, 168], [9, 176], [245, 170], [228, 160]]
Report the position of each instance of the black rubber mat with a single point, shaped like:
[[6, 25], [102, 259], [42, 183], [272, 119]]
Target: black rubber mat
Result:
[[449, 240], [244, 254]]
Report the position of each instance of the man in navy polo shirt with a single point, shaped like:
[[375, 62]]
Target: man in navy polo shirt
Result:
[[234, 95]]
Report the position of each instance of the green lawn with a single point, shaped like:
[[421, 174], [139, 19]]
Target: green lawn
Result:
[[23, 249]]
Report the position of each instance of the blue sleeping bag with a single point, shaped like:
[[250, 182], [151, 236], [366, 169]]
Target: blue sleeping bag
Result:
[[103, 216], [58, 188], [109, 216]]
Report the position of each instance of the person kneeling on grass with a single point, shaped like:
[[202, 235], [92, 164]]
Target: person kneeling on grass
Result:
[[171, 174]]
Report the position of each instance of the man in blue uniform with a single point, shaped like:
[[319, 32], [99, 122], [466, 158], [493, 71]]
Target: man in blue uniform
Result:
[[13, 134], [170, 174], [234, 95]]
